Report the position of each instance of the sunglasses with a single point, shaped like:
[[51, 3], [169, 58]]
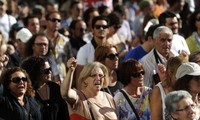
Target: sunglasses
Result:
[[46, 71], [112, 56], [54, 20], [137, 74], [18, 79], [198, 19], [100, 26]]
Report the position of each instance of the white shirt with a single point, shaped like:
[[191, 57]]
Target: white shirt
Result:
[[179, 43], [85, 54], [6, 21]]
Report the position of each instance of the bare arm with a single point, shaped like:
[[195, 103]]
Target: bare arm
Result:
[[68, 94], [156, 104]]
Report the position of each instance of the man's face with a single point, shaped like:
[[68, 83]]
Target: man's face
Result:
[[100, 29], [77, 10], [163, 44], [79, 30], [3, 8], [53, 23], [34, 25], [40, 46], [172, 23]]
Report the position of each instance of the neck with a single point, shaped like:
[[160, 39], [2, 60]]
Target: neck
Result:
[[51, 34], [113, 78], [100, 41], [198, 32], [146, 47], [90, 93], [133, 91]]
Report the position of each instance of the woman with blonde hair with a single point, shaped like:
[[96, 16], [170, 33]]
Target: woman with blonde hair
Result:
[[88, 101]]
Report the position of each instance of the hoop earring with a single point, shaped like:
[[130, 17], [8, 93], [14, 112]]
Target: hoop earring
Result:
[[85, 84]]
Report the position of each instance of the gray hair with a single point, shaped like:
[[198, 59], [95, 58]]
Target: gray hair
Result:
[[161, 29], [173, 98]]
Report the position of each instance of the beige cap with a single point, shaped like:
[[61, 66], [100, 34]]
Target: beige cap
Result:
[[24, 35]]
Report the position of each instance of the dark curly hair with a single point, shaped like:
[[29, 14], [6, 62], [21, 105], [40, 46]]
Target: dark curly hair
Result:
[[6, 76], [34, 66]]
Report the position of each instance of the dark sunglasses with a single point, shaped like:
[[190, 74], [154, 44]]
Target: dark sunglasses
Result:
[[41, 44], [82, 30], [112, 56], [46, 71], [54, 20], [198, 19], [100, 26], [1, 3], [18, 79], [137, 74]]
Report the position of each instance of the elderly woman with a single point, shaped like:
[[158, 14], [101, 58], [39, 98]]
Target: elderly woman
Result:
[[88, 101], [133, 100], [17, 102], [108, 56], [181, 106], [53, 107]]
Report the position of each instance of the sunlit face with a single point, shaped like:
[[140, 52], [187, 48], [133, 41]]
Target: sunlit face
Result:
[[47, 73], [197, 22], [18, 89], [187, 110], [96, 80], [111, 63], [172, 23], [40, 46], [100, 32], [34, 25], [137, 78], [194, 85], [80, 29], [54, 22], [163, 44]]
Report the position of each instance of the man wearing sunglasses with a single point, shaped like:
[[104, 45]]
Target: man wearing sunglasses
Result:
[[60, 43]]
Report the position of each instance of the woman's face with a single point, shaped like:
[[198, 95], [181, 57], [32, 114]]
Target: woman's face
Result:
[[111, 61], [187, 110], [46, 73], [96, 80], [18, 84], [197, 23], [137, 78], [194, 85]]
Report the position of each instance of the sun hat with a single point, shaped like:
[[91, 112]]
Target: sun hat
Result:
[[189, 68], [24, 35]]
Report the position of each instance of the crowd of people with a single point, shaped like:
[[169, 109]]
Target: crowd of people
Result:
[[100, 60]]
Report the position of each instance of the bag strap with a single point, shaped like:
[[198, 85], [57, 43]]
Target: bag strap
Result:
[[89, 106], [130, 103]]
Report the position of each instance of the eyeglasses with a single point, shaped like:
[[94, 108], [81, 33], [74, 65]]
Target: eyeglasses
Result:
[[112, 56], [187, 108], [99, 75], [46, 71], [41, 44], [137, 74], [198, 19], [100, 26], [18, 79], [54, 20]]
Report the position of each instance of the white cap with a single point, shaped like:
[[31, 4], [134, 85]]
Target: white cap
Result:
[[189, 68], [24, 35]]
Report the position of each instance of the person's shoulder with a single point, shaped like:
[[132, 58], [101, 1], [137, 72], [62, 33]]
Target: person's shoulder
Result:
[[147, 56]]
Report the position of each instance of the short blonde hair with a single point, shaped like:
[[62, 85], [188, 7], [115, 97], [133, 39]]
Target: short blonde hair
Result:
[[86, 72]]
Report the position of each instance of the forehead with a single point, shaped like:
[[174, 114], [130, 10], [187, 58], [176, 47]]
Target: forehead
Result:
[[171, 20], [97, 70], [55, 15], [80, 24], [184, 102], [101, 22], [18, 74], [112, 50], [41, 38], [165, 35]]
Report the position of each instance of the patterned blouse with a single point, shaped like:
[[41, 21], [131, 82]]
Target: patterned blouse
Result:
[[141, 105]]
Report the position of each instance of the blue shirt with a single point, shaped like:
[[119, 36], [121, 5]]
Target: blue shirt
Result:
[[136, 53]]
